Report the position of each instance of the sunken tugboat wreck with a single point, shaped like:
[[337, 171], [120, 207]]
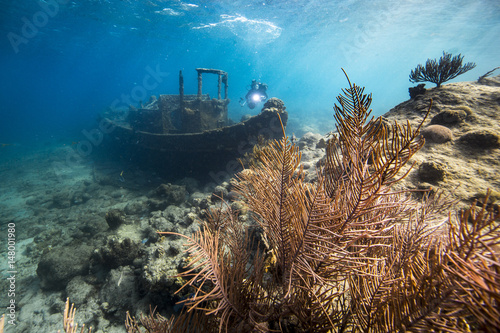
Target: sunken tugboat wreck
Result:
[[191, 134]]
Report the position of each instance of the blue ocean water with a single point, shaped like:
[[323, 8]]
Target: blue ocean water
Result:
[[63, 62]]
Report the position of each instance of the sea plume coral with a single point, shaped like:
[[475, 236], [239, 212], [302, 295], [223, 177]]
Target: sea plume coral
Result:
[[438, 72]]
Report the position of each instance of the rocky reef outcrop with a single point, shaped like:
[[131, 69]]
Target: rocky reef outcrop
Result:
[[461, 155]]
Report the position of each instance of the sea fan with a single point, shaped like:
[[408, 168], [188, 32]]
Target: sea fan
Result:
[[438, 72]]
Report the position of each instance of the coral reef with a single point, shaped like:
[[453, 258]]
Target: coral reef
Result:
[[345, 253], [274, 104], [116, 252], [438, 72], [419, 89], [147, 276]]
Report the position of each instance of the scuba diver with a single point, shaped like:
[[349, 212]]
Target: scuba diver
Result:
[[256, 94]]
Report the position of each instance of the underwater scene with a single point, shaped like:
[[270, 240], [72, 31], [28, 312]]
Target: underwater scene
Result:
[[250, 166]]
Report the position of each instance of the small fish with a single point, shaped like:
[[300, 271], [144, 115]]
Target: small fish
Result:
[[121, 177], [5, 144]]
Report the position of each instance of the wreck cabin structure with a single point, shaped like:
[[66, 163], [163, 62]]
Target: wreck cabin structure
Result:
[[177, 114], [204, 114]]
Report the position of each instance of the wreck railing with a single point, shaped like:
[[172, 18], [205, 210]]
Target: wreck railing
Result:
[[222, 79]]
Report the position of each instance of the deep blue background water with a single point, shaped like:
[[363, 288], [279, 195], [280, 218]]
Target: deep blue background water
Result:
[[62, 62]]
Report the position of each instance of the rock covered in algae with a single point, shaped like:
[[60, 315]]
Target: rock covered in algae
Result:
[[119, 293], [432, 171], [172, 194], [59, 265], [114, 218], [482, 139], [472, 154], [116, 252], [449, 117], [161, 263]]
